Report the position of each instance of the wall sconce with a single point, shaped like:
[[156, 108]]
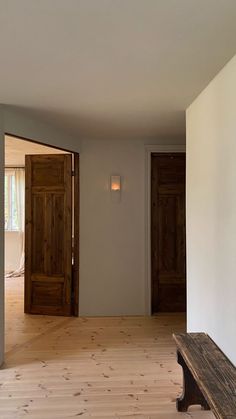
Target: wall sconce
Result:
[[115, 183]]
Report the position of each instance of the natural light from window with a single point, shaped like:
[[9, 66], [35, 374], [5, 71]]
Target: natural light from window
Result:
[[11, 218]]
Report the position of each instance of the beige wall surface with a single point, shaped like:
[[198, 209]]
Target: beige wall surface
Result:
[[112, 229], [211, 211]]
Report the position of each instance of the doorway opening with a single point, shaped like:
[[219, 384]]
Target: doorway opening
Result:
[[168, 232], [41, 229]]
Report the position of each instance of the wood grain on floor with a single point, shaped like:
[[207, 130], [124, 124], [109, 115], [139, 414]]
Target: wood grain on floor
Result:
[[104, 368]]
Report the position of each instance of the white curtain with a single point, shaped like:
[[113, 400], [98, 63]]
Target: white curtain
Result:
[[20, 209]]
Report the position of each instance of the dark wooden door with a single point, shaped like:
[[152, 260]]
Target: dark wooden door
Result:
[[168, 232], [48, 234]]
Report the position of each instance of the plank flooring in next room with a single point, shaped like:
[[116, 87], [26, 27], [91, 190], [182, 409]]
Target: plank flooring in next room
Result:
[[120, 367]]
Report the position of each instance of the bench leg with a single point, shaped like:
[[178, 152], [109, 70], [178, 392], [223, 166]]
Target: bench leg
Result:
[[192, 395]]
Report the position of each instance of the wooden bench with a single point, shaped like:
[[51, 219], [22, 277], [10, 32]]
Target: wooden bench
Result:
[[209, 376]]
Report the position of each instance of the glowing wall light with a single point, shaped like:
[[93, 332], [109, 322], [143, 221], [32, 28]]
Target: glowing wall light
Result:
[[115, 183]]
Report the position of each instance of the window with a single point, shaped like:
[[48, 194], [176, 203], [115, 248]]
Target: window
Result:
[[11, 218]]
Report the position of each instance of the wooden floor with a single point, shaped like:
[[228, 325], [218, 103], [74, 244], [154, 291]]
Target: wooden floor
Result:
[[89, 367]]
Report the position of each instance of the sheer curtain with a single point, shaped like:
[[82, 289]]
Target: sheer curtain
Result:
[[20, 210]]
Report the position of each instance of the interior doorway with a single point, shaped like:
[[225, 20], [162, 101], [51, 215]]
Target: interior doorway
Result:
[[168, 232], [42, 226]]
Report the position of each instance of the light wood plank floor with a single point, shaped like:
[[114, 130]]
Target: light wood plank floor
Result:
[[89, 367]]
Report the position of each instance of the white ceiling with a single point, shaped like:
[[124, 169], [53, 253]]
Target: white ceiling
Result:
[[108, 67], [16, 149]]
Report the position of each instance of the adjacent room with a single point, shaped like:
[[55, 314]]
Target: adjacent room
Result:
[[20, 155]]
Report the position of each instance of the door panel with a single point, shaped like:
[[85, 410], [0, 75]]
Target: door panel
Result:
[[38, 214], [48, 234], [168, 232]]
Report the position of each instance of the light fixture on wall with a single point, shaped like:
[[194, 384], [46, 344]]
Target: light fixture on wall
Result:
[[115, 183]]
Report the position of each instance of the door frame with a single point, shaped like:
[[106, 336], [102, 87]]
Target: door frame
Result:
[[149, 149], [76, 173]]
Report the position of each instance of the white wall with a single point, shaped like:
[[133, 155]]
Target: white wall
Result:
[[22, 123], [211, 211], [13, 247], [112, 231]]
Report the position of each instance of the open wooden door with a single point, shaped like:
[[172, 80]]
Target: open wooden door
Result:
[[48, 234]]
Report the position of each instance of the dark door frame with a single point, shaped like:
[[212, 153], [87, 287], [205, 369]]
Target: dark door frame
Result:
[[76, 172], [149, 149]]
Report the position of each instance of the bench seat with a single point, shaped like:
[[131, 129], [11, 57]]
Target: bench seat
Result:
[[209, 376]]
